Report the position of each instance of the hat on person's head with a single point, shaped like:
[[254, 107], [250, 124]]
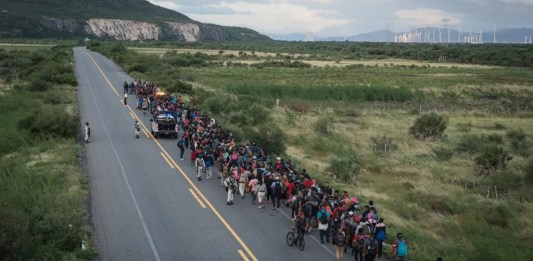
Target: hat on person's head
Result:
[[350, 213], [278, 158], [400, 235]]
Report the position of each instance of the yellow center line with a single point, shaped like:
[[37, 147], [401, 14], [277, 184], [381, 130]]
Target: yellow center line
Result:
[[145, 133], [243, 255], [131, 114], [224, 222], [197, 199], [168, 162]]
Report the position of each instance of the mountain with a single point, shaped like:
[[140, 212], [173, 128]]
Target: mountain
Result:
[[115, 19]]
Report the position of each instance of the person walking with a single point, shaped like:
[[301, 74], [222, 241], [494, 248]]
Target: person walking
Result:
[[230, 188], [200, 166], [359, 244], [277, 189], [399, 248], [181, 146], [323, 222], [125, 99], [381, 235], [87, 132], [370, 248], [252, 184], [338, 241], [261, 191], [137, 128], [243, 179]]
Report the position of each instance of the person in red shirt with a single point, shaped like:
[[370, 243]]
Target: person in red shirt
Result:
[[358, 244], [399, 248]]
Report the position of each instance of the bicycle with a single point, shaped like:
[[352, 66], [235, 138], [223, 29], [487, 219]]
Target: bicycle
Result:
[[298, 241]]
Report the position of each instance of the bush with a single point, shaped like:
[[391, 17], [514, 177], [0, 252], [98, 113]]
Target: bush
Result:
[[476, 144], [180, 87], [493, 157], [383, 145], [324, 126], [39, 86], [519, 142], [442, 154], [528, 172], [346, 169], [429, 126], [50, 122], [269, 137], [217, 104]]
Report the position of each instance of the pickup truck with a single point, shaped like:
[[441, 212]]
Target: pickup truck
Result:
[[164, 123]]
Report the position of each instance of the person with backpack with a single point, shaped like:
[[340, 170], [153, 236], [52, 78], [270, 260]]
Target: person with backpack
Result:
[[358, 244], [277, 189], [370, 248], [381, 235], [339, 240], [323, 222], [399, 248], [230, 185]]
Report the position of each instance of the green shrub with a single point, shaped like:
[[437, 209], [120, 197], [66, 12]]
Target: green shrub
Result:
[[180, 87], [476, 144], [240, 118], [442, 153], [429, 126], [519, 142], [345, 168], [528, 172], [40, 86], [269, 137], [382, 145], [52, 122], [324, 126], [217, 104], [493, 157]]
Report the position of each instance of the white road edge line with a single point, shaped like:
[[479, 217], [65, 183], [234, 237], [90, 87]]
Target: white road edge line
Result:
[[139, 212]]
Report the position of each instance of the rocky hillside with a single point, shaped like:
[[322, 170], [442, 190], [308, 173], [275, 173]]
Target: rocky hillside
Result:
[[112, 19]]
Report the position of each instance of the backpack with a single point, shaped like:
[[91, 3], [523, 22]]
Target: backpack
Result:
[[371, 247], [277, 187], [381, 235], [361, 243], [402, 248], [323, 218], [340, 238]]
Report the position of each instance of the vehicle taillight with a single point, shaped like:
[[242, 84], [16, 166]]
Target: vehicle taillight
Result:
[[157, 127]]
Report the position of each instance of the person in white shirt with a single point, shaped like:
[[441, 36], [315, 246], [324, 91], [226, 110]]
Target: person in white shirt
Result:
[[230, 187], [87, 132]]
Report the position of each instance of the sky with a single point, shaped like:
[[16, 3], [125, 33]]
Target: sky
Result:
[[351, 17]]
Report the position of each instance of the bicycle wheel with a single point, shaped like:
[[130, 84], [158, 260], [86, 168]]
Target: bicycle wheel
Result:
[[290, 238], [301, 243]]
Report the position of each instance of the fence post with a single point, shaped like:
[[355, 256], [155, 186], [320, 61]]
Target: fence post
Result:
[[496, 192], [277, 103]]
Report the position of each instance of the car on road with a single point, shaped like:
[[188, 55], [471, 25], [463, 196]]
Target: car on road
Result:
[[164, 123]]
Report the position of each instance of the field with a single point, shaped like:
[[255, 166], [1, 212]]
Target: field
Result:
[[43, 214], [464, 192]]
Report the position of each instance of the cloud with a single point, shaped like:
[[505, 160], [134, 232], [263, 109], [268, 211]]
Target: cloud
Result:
[[274, 16], [520, 2], [427, 17], [168, 4]]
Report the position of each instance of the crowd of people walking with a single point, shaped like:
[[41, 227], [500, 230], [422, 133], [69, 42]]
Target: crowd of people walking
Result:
[[247, 170]]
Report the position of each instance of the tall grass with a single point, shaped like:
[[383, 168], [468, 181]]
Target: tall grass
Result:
[[42, 192]]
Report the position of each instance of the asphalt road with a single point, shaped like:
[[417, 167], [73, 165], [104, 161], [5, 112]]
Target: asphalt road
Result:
[[147, 204]]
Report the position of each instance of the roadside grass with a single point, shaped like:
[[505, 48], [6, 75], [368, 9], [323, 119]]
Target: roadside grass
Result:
[[431, 190], [24, 47], [42, 192]]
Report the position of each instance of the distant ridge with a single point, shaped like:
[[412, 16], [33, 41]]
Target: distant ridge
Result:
[[118, 19]]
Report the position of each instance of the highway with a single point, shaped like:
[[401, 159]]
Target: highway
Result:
[[146, 204]]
